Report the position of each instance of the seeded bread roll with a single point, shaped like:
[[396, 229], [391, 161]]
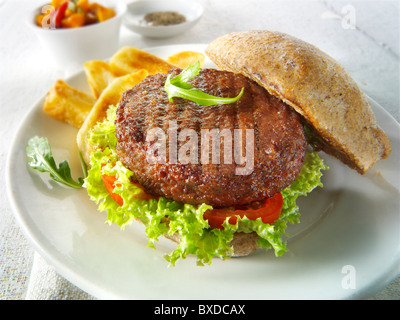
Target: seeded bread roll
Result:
[[314, 84]]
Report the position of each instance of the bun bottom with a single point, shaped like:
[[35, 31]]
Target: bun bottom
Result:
[[243, 244]]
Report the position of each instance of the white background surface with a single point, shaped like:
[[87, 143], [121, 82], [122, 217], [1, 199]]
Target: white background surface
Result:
[[370, 52]]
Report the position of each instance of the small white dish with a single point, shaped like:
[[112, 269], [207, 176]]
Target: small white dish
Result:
[[134, 18], [78, 45]]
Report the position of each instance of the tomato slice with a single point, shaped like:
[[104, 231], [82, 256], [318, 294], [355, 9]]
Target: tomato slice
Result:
[[269, 212], [109, 183]]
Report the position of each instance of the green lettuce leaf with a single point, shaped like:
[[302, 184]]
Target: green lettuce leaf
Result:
[[197, 238]]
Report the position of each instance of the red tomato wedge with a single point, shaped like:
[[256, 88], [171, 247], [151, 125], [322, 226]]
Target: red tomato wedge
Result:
[[269, 212], [109, 183]]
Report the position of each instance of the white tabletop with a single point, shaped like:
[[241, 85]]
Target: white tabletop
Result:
[[362, 35]]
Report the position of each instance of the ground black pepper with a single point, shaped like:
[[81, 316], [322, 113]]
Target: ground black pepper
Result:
[[164, 18]]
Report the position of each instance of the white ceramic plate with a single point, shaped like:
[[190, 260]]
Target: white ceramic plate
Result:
[[134, 17], [347, 245]]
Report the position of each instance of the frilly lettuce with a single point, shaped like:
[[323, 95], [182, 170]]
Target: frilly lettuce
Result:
[[196, 236]]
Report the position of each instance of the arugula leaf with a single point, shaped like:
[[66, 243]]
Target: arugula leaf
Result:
[[187, 74], [40, 157], [180, 88]]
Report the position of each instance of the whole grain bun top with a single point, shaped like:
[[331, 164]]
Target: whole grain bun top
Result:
[[314, 84]]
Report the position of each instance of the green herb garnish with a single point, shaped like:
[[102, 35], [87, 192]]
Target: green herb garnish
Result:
[[40, 157], [179, 87]]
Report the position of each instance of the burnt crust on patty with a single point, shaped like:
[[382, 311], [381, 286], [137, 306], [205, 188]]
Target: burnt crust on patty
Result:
[[279, 141]]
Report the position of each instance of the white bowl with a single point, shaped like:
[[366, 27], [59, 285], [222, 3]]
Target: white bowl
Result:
[[134, 18], [78, 45]]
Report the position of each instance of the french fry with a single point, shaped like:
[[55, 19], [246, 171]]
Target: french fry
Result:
[[110, 96], [99, 75], [68, 104], [107, 81], [129, 60], [185, 58]]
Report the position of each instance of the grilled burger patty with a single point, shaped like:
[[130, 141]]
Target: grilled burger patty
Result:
[[279, 141]]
